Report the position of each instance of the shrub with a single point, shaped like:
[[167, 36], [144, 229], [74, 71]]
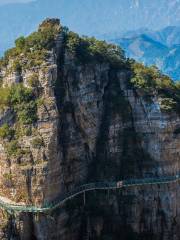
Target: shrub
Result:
[[7, 176], [22, 130], [33, 80], [10, 53], [20, 43], [6, 132], [144, 78], [28, 131], [4, 97], [105, 52], [37, 143], [40, 102], [20, 94], [16, 67], [13, 148], [26, 112], [22, 101], [89, 49], [149, 78]]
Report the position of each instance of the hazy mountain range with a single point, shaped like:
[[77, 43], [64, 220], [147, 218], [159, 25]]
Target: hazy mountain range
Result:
[[112, 19], [90, 17], [161, 48]]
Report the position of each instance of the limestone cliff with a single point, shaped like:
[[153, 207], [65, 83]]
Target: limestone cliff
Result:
[[90, 120]]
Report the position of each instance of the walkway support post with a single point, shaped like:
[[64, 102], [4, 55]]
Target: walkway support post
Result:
[[84, 197]]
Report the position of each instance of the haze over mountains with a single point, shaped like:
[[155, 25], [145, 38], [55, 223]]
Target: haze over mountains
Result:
[[100, 18], [161, 48]]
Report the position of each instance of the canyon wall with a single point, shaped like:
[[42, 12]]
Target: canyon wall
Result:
[[94, 125]]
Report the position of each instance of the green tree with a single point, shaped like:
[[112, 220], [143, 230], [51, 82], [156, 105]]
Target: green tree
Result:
[[20, 43]]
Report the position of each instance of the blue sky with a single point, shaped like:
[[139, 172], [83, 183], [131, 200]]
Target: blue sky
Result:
[[13, 1]]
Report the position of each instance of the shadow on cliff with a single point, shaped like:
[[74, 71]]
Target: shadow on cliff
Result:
[[20, 227], [129, 160]]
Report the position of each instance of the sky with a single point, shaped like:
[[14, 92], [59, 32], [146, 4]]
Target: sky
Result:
[[87, 17], [2, 2]]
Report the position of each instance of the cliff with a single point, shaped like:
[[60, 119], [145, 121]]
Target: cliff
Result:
[[75, 111]]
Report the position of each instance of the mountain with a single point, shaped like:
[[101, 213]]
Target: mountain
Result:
[[171, 64], [89, 142], [168, 36], [160, 48], [143, 47], [90, 17]]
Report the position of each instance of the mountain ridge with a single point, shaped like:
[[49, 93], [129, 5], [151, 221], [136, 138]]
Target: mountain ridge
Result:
[[81, 16], [158, 48], [74, 110]]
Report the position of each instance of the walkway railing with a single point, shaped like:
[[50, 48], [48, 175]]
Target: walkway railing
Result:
[[15, 207]]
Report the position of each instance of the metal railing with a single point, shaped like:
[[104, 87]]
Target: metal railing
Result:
[[15, 207]]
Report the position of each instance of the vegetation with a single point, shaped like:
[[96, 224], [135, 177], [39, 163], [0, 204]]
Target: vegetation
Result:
[[6, 132], [7, 179], [20, 94], [26, 112], [34, 49], [16, 66], [21, 100], [22, 130], [90, 49], [13, 148], [150, 80], [4, 97], [38, 142], [33, 80], [23, 103], [7, 176]]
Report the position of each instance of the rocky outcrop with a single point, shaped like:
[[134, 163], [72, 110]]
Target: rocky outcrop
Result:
[[95, 126]]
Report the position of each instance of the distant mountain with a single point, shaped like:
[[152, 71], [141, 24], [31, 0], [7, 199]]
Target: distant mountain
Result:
[[168, 36], [143, 47], [88, 17], [161, 48], [171, 63]]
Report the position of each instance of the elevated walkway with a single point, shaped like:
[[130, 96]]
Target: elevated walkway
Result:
[[11, 206]]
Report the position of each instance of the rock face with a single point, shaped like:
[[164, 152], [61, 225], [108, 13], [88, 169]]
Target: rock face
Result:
[[95, 127]]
